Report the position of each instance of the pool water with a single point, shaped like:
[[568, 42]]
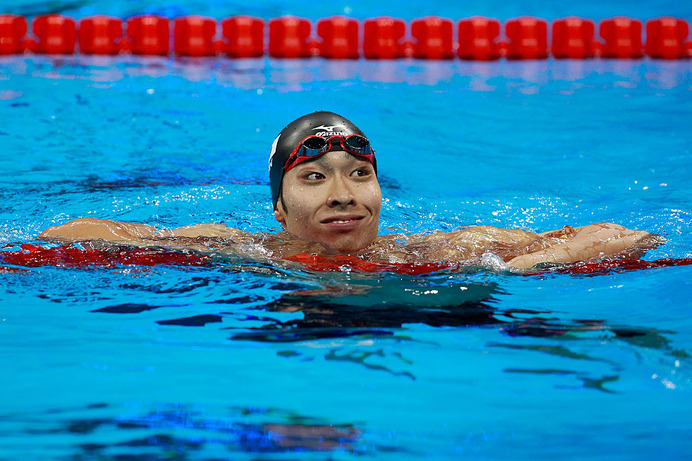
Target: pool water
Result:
[[237, 359]]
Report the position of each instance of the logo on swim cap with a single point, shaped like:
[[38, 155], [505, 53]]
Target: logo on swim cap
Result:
[[271, 154], [331, 130]]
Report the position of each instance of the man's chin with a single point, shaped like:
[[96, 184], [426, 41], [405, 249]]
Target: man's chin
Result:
[[339, 244], [348, 245]]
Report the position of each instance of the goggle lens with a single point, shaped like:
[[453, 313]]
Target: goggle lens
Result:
[[316, 144], [356, 142]]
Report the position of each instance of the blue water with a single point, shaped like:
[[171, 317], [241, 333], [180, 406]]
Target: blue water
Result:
[[244, 361]]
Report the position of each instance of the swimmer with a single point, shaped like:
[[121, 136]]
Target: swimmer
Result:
[[326, 196]]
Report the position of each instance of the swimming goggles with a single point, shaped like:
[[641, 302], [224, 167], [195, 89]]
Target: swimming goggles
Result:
[[313, 146]]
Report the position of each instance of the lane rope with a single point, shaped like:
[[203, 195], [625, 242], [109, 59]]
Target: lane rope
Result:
[[72, 256], [339, 37]]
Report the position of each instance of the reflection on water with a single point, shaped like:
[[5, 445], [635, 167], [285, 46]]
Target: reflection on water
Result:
[[375, 307], [383, 310], [376, 327], [174, 431], [373, 310], [294, 74]]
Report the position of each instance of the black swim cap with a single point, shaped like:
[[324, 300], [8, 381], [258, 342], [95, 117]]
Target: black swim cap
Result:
[[324, 124]]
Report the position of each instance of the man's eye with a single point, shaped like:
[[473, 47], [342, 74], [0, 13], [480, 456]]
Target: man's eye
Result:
[[361, 172], [314, 176]]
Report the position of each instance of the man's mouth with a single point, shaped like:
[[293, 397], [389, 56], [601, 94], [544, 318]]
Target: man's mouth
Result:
[[346, 223], [341, 219]]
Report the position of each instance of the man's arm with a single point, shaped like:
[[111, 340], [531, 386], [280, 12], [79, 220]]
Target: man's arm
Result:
[[102, 229], [523, 249], [126, 232], [470, 242], [590, 242]]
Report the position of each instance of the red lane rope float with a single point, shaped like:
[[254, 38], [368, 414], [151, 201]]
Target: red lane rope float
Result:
[[243, 37], [614, 266], [622, 38], [55, 34], [148, 35], [71, 256], [12, 32], [100, 35], [338, 37], [31, 255], [573, 38], [432, 38], [478, 39], [289, 37], [383, 38], [667, 38], [194, 36], [345, 263], [528, 38]]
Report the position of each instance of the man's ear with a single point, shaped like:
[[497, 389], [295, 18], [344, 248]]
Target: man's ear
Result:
[[280, 214]]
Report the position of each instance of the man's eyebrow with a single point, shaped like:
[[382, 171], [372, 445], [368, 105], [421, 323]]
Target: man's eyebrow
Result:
[[324, 165], [319, 161], [323, 162]]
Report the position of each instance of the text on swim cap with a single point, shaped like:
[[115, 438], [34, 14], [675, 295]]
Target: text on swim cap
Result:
[[331, 130]]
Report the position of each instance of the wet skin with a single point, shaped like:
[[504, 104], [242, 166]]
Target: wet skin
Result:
[[332, 205], [334, 200]]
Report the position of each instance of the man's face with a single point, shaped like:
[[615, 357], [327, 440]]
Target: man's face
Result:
[[334, 200]]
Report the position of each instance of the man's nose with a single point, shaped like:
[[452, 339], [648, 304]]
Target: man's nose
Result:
[[340, 194]]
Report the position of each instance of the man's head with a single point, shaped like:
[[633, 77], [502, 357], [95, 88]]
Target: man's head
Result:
[[324, 185]]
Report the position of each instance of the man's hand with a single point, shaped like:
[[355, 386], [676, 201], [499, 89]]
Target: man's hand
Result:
[[595, 241]]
